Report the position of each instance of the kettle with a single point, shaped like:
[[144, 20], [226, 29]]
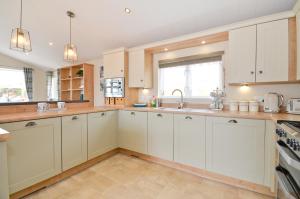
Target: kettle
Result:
[[272, 102]]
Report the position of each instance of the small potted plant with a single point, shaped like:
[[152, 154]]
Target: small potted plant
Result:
[[80, 73]]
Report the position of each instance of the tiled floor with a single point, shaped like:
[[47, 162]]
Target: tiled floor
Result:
[[129, 178]]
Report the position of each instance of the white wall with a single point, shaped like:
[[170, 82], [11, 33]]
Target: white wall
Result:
[[232, 92], [39, 76], [98, 96]]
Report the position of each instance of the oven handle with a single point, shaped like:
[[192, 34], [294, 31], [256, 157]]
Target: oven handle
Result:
[[283, 184], [291, 161]]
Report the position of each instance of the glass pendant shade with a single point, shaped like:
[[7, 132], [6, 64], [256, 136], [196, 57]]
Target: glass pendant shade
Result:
[[70, 52], [20, 40]]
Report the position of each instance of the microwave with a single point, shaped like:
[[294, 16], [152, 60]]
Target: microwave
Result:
[[293, 106], [114, 87]]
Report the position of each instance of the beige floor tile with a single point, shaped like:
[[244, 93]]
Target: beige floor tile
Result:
[[125, 177]]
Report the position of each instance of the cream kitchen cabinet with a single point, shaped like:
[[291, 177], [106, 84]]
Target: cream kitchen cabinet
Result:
[[74, 140], [33, 152], [189, 140], [272, 51], [242, 55], [140, 69], [160, 135], [235, 148], [102, 133], [133, 131], [115, 62], [260, 53]]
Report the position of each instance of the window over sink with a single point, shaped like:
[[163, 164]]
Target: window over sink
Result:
[[196, 75]]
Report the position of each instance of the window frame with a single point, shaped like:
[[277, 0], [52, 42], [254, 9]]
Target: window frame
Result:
[[191, 98]]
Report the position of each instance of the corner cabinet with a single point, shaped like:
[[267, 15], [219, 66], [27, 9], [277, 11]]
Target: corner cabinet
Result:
[[115, 62], [160, 135], [235, 148], [33, 152], [132, 131], [189, 140], [140, 69], [260, 52], [74, 140], [102, 133]]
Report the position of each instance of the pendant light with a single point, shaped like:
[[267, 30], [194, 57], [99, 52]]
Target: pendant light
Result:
[[70, 52], [20, 38]]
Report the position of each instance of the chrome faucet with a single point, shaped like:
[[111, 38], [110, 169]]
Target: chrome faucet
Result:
[[181, 99]]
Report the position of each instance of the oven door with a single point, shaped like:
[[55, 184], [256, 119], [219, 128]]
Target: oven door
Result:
[[288, 173]]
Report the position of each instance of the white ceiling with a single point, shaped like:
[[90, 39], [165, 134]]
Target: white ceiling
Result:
[[102, 24]]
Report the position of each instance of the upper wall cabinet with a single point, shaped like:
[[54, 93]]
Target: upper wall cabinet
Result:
[[140, 69], [272, 51], [115, 62], [259, 53]]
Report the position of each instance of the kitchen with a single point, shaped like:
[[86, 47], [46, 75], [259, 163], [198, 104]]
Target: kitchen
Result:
[[143, 109]]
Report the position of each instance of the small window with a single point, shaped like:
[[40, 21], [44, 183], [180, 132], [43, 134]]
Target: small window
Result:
[[52, 85], [12, 86], [195, 76]]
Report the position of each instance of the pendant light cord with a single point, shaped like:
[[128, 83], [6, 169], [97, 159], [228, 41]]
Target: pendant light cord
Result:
[[21, 13], [70, 30]]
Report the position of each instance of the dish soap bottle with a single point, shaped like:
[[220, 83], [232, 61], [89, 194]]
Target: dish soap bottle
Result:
[[153, 102]]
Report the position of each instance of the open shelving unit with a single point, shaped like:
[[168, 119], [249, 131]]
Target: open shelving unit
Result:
[[75, 86]]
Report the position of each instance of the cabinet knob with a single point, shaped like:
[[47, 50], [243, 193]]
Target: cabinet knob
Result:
[[75, 118], [122, 70], [31, 124], [188, 118], [252, 72], [260, 72], [232, 121], [102, 114], [132, 113], [159, 115], [142, 80]]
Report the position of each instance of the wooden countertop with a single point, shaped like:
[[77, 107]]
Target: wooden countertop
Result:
[[16, 117]]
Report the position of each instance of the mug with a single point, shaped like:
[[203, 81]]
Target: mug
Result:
[[61, 105], [43, 106]]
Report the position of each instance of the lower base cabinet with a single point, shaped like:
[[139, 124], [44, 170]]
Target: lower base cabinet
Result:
[[160, 135], [74, 140], [235, 148], [33, 152], [102, 133], [189, 140], [132, 131]]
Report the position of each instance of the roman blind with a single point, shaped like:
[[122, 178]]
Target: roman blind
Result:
[[194, 59]]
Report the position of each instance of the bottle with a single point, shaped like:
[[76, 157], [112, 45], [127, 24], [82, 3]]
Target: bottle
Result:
[[153, 102]]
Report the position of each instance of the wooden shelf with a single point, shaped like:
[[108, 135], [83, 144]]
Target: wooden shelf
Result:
[[77, 78], [264, 83], [77, 89], [67, 79], [65, 90]]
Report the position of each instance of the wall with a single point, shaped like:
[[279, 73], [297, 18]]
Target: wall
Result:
[[98, 95], [232, 92], [39, 76]]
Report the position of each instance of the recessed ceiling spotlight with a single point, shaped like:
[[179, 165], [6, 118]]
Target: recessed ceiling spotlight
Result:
[[166, 49], [26, 53], [128, 11], [50, 43], [203, 42]]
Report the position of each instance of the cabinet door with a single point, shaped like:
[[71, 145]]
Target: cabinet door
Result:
[[235, 148], [102, 133], [114, 64], [133, 131], [160, 135], [136, 68], [272, 51], [33, 152], [74, 140], [189, 140], [242, 55]]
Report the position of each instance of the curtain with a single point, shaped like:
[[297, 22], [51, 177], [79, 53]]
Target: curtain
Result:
[[28, 82], [49, 76]]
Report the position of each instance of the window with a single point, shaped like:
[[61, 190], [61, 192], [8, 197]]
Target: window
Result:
[[195, 76], [12, 85], [52, 85]]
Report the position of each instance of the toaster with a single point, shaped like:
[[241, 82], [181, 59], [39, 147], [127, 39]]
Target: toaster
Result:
[[293, 106]]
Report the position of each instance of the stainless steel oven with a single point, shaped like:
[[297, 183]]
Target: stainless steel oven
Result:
[[288, 169], [114, 87]]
